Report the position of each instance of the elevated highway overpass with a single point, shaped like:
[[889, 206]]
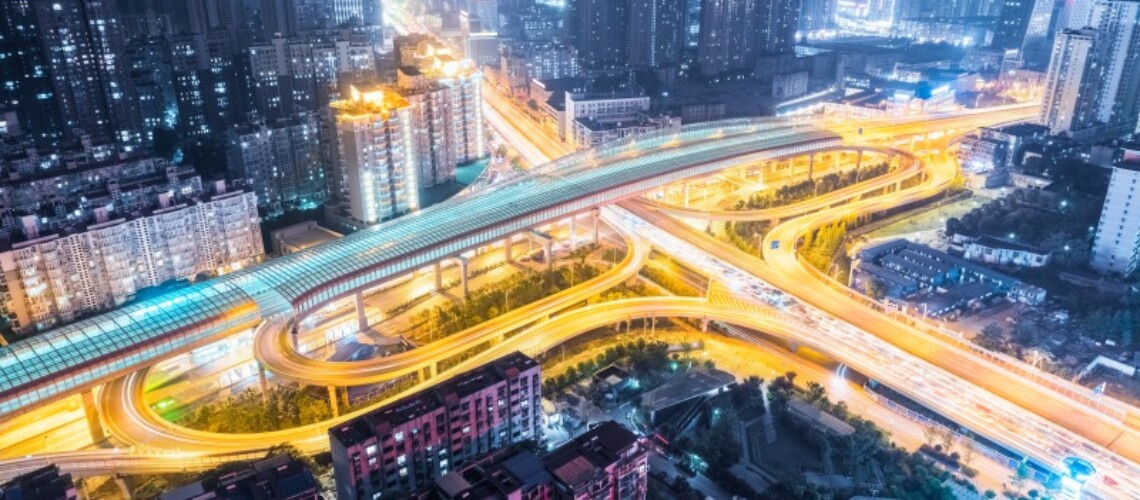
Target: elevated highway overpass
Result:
[[77, 357]]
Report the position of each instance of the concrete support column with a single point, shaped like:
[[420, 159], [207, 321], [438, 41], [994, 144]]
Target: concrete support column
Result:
[[573, 230], [334, 401], [294, 337], [548, 253], [595, 218], [685, 192], [507, 244], [463, 275], [835, 159], [438, 276], [705, 325], [811, 164], [91, 412], [859, 160], [427, 373], [125, 489], [263, 382], [361, 315]]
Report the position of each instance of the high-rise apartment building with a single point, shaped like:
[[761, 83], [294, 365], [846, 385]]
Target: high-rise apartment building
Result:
[[83, 49], [600, 31], [1116, 247], [445, 93], [488, 13], [290, 75], [1023, 25], [656, 32], [374, 175], [281, 160], [52, 279], [522, 62], [1093, 87], [25, 82], [730, 33], [402, 447], [1072, 82]]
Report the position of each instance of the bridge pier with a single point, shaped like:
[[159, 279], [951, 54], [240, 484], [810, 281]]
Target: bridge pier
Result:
[[361, 315], [293, 334], [548, 253], [334, 401], [124, 488], [573, 230], [595, 217], [811, 164], [438, 276], [262, 382], [426, 373], [463, 274], [507, 244], [91, 412], [859, 160], [685, 194], [705, 325]]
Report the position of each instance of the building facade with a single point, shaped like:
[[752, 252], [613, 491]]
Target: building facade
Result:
[[1116, 247], [1093, 85], [374, 175], [605, 462], [403, 447], [51, 279], [656, 32], [280, 160]]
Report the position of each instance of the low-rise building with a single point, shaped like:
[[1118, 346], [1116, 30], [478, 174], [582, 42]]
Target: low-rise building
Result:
[[590, 132], [45, 483], [607, 462], [279, 477], [938, 283], [300, 236], [993, 250], [982, 154], [404, 446]]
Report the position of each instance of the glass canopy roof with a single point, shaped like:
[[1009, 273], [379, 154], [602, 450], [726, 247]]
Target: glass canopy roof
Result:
[[279, 284]]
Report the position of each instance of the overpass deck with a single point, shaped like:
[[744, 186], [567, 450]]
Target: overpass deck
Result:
[[81, 355]]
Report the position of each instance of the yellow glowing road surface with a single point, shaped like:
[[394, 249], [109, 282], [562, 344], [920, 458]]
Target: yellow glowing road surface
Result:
[[274, 348], [946, 377]]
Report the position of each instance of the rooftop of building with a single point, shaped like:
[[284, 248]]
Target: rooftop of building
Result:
[[43, 483], [369, 99], [495, 476], [428, 400], [685, 387], [874, 253], [995, 242], [304, 235], [576, 462], [276, 477]]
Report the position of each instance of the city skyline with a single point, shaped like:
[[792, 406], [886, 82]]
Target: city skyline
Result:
[[569, 249]]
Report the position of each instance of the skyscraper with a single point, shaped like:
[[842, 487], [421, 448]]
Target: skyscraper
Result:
[[656, 32], [1094, 74], [25, 83], [374, 173], [600, 31], [83, 46], [728, 36], [1072, 81], [447, 111], [1024, 25], [1116, 248]]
